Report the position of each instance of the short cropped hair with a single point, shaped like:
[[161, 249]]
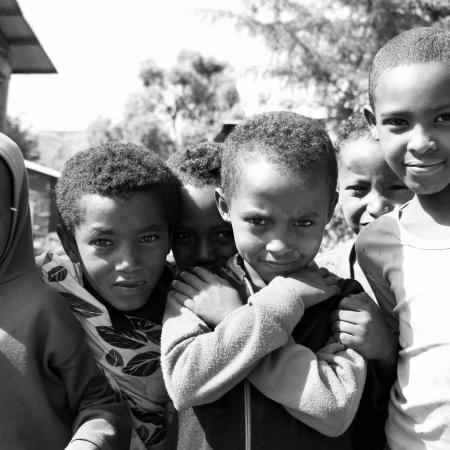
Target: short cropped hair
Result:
[[290, 140], [198, 165], [117, 170], [416, 46], [352, 129]]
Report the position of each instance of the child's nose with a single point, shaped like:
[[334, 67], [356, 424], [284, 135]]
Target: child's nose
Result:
[[278, 246], [129, 261], [377, 204], [204, 251], [420, 140]]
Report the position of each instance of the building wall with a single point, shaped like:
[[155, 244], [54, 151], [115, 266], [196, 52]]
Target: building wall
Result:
[[42, 203]]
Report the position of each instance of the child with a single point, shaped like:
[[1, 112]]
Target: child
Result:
[[201, 237], [367, 189], [406, 253], [264, 374], [53, 396], [117, 203]]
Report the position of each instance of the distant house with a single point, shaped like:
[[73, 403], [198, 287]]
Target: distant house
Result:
[[42, 182]]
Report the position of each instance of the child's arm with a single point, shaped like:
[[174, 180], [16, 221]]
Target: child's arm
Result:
[[372, 260], [100, 420], [200, 364], [320, 389]]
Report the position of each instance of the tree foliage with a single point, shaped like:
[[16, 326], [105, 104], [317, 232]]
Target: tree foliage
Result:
[[176, 107], [326, 46], [23, 137]]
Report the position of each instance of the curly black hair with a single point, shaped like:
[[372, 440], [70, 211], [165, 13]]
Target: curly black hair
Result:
[[118, 170], [353, 128], [290, 140], [419, 45], [198, 165]]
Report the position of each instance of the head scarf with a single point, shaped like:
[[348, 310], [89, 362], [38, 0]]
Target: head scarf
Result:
[[17, 257]]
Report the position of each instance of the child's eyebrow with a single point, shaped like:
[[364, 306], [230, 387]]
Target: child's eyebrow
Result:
[[394, 112]]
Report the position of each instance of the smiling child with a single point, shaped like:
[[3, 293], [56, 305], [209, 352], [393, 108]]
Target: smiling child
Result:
[[117, 204], [406, 253], [367, 190]]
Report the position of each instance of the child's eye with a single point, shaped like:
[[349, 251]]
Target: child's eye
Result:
[[148, 238], [442, 118], [356, 190], [257, 221], [395, 122], [399, 187], [303, 223], [181, 236], [102, 243], [224, 236]]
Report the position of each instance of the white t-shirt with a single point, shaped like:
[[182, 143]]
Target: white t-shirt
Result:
[[410, 277]]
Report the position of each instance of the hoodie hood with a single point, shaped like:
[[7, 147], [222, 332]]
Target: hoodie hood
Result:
[[17, 256]]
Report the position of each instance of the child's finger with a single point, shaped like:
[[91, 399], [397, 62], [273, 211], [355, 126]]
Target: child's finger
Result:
[[345, 315], [192, 280], [204, 274], [357, 302], [344, 327], [184, 300], [184, 288], [348, 340], [176, 297]]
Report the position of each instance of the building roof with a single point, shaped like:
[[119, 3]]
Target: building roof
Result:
[[35, 167], [26, 54]]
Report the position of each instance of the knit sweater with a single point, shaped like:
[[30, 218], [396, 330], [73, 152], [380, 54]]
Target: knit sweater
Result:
[[267, 376]]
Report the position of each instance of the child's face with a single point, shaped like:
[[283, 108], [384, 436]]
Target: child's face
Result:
[[367, 186], [412, 113], [202, 237], [6, 195], [122, 246], [278, 217]]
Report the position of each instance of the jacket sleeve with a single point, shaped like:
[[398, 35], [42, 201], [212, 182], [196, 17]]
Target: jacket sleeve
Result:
[[320, 389], [200, 365], [100, 419]]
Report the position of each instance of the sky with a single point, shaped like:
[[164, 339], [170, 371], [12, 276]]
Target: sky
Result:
[[97, 46]]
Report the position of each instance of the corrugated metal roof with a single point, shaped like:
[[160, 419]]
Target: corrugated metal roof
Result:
[[26, 54], [30, 165]]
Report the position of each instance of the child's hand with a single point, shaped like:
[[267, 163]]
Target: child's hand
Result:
[[208, 296], [358, 323], [317, 285]]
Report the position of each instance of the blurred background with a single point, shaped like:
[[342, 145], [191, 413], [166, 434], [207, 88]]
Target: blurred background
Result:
[[77, 73]]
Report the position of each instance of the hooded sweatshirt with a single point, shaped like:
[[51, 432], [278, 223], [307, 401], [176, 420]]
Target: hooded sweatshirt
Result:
[[53, 396]]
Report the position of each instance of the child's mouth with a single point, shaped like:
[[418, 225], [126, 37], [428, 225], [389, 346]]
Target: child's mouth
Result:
[[129, 284]]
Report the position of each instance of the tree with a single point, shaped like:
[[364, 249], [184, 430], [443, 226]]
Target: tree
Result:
[[182, 105], [325, 47], [194, 96], [23, 137]]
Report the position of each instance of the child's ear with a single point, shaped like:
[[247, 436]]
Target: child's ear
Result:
[[222, 204], [68, 243], [369, 115], [332, 205]]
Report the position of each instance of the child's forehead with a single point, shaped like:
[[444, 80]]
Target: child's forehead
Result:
[[136, 204], [395, 81]]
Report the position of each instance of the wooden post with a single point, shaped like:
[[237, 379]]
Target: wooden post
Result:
[[5, 72]]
